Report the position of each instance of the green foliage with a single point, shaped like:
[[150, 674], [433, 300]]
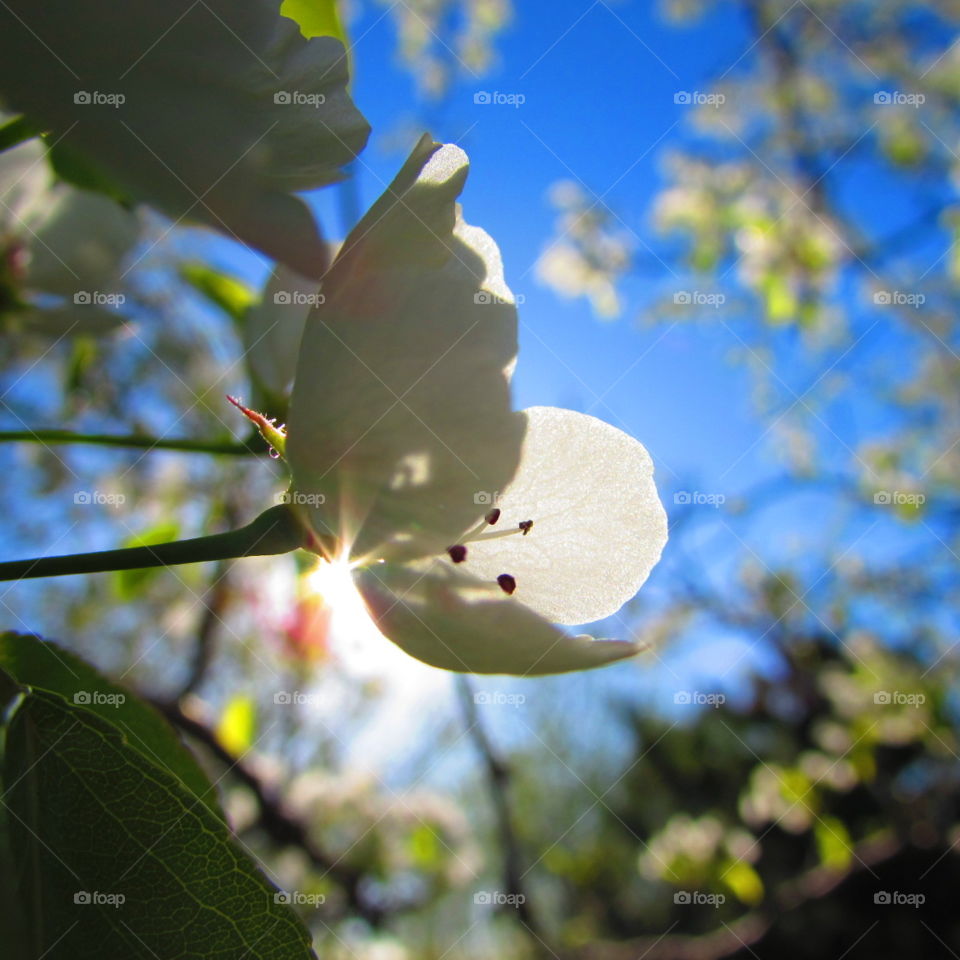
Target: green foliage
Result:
[[45, 666]]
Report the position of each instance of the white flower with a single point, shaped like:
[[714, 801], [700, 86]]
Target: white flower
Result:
[[215, 111], [63, 247], [469, 529]]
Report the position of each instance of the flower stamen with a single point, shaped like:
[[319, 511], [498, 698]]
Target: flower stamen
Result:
[[458, 553], [507, 583]]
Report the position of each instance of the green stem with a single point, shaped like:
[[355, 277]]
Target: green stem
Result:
[[130, 440], [275, 531]]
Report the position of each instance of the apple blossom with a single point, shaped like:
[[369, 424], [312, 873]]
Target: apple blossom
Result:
[[469, 530], [215, 112], [62, 248]]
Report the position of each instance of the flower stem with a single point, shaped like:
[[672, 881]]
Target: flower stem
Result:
[[275, 531], [54, 437]]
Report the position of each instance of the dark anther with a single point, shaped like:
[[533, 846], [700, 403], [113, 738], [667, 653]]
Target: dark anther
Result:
[[507, 583], [493, 516], [526, 526], [458, 553]]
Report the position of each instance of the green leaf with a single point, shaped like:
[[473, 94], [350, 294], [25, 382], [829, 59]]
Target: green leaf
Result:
[[116, 859], [316, 18], [42, 665], [232, 296], [16, 131], [77, 169]]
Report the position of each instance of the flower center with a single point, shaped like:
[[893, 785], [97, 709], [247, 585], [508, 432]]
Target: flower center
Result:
[[458, 552]]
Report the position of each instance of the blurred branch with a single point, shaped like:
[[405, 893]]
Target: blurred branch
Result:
[[498, 780], [214, 606], [134, 441]]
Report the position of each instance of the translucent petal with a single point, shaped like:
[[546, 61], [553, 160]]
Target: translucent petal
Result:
[[598, 525], [274, 326], [452, 621], [216, 111], [24, 180], [400, 416], [78, 243]]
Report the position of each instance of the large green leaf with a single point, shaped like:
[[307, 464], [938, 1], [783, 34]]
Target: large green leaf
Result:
[[36, 663], [117, 859]]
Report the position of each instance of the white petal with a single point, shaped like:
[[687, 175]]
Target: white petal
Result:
[[598, 524], [79, 243], [454, 622], [226, 113], [24, 181], [273, 328], [400, 415]]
